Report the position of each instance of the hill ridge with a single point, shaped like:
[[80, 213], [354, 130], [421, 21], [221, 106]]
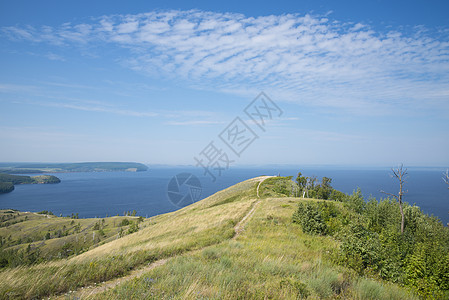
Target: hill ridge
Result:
[[93, 290]]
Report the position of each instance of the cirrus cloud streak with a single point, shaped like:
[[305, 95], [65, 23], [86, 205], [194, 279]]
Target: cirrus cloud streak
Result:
[[307, 59]]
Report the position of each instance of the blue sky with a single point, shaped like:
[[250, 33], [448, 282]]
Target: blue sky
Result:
[[359, 82]]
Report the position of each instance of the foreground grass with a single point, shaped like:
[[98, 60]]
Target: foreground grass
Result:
[[204, 223], [272, 259]]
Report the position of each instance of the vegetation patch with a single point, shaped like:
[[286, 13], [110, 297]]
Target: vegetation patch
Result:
[[372, 245], [268, 261], [7, 181]]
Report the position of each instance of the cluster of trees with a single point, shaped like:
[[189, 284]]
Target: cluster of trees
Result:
[[46, 212], [8, 181], [130, 213], [133, 226], [15, 179], [47, 179], [306, 187], [99, 226], [387, 239], [309, 187], [6, 187]]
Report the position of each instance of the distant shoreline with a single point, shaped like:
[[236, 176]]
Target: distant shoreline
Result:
[[40, 168], [8, 181]]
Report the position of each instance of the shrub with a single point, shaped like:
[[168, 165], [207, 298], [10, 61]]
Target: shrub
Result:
[[310, 218], [46, 212], [125, 222], [134, 227], [372, 243]]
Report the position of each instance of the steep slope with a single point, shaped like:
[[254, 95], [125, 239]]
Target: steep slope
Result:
[[271, 259], [204, 223]]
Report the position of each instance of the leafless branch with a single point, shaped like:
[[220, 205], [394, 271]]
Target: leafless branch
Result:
[[446, 177], [389, 194], [400, 174]]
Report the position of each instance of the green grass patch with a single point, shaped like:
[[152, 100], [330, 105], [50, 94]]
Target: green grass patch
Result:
[[271, 260]]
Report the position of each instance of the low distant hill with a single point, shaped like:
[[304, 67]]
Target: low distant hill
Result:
[[29, 168], [8, 181]]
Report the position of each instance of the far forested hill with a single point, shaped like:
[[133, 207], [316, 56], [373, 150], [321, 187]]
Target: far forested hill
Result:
[[28, 168]]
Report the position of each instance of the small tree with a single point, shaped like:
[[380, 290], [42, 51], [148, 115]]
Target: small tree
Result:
[[400, 174], [310, 186], [302, 182], [324, 189]]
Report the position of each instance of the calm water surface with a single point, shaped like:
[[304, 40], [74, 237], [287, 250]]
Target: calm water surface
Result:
[[111, 193]]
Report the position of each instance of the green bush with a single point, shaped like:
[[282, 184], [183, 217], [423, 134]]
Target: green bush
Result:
[[359, 247], [310, 218], [371, 242], [427, 270], [125, 222], [133, 227]]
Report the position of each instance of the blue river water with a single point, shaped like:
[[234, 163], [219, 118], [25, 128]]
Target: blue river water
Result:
[[110, 193]]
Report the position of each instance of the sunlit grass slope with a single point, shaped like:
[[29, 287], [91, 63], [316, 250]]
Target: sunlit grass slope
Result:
[[271, 259], [201, 224]]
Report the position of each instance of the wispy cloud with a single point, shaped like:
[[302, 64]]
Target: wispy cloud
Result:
[[193, 122], [311, 60], [97, 108]]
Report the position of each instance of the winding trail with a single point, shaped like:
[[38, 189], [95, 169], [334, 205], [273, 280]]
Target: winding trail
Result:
[[91, 291], [240, 226]]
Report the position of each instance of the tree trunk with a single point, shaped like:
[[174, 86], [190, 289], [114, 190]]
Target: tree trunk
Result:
[[399, 174]]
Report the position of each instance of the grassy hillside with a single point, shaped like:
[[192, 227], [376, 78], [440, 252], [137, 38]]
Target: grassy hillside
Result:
[[27, 237], [272, 259], [239, 243], [204, 223]]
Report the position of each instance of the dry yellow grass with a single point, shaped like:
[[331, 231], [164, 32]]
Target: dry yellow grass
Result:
[[271, 259], [204, 223]]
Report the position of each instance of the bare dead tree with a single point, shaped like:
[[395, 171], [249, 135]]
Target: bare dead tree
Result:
[[400, 174], [446, 177]]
